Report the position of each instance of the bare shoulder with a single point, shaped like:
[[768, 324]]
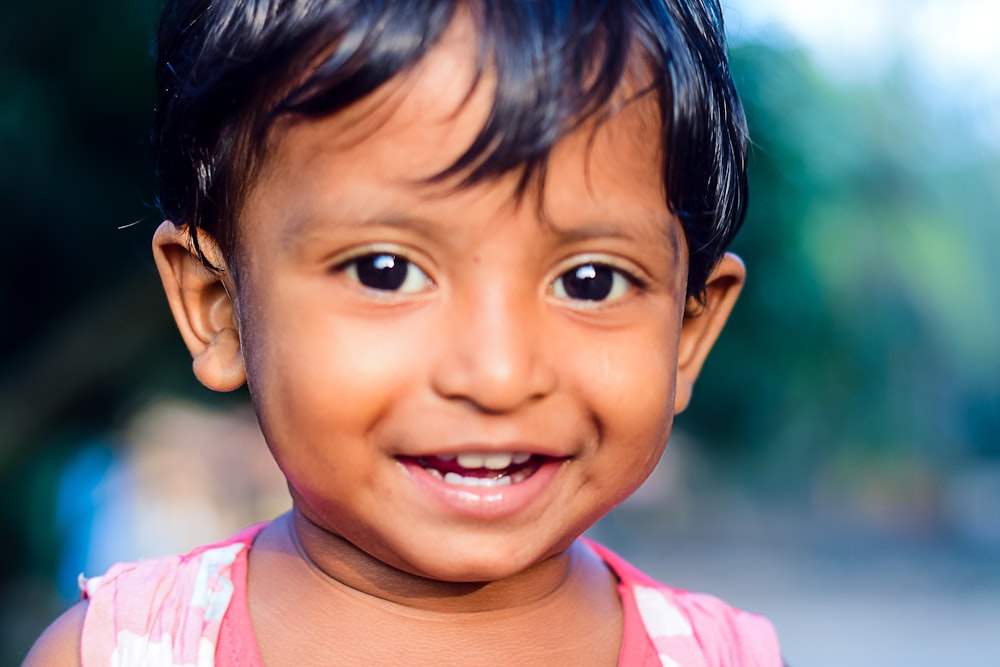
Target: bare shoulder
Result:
[[60, 643]]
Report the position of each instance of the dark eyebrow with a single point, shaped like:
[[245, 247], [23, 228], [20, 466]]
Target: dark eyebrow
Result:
[[302, 227], [667, 233]]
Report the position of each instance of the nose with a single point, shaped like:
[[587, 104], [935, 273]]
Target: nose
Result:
[[495, 355]]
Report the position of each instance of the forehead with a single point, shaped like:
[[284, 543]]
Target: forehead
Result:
[[418, 125], [448, 95]]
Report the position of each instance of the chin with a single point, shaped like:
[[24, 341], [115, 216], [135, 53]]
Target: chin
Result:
[[481, 564]]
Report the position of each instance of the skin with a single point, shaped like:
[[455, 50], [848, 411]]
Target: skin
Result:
[[484, 351]]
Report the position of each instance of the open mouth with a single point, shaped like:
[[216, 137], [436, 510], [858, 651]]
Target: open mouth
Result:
[[480, 469]]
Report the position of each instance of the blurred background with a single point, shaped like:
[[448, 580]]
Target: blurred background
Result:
[[839, 469]]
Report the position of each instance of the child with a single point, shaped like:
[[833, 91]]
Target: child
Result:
[[469, 259]]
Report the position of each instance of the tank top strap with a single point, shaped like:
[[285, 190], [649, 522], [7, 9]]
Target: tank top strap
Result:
[[677, 628], [165, 611]]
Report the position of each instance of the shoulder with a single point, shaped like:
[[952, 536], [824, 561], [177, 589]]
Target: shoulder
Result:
[[172, 605], [60, 643], [669, 613], [679, 622], [198, 567], [145, 603]]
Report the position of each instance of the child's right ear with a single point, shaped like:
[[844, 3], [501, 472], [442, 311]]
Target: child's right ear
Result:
[[201, 303]]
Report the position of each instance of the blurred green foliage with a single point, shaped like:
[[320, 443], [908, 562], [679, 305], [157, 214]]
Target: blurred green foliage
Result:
[[869, 324], [864, 342]]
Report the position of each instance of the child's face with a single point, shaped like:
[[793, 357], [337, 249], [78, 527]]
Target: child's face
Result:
[[387, 327]]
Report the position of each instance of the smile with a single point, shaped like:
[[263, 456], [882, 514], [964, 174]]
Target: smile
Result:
[[480, 470], [484, 485]]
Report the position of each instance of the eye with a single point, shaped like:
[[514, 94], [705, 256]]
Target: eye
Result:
[[387, 272], [592, 282]]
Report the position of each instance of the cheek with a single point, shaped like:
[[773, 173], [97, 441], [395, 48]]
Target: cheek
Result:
[[632, 388], [637, 379], [320, 381]]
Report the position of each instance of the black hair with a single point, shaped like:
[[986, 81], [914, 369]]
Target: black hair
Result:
[[228, 69]]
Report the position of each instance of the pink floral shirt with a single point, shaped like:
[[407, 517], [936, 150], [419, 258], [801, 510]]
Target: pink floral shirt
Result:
[[191, 611]]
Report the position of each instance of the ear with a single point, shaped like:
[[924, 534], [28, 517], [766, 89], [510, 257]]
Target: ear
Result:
[[200, 300], [703, 324]]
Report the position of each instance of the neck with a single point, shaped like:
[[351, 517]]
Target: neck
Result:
[[342, 565]]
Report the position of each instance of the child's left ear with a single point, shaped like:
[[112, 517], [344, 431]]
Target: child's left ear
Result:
[[703, 323]]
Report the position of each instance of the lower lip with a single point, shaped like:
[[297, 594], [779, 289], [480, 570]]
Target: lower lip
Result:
[[484, 502]]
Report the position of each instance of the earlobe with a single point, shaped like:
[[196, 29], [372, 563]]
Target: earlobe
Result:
[[704, 322], [200, 300]]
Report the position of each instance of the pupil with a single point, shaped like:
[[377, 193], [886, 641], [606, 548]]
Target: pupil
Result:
[[383, 272], [589, 283]]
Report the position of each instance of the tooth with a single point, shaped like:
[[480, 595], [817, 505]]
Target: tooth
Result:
[[434, 472], [446, 457], [497, 461], [520, 476], [456, 479], [470, 460], [520, 457], [487, 482]]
